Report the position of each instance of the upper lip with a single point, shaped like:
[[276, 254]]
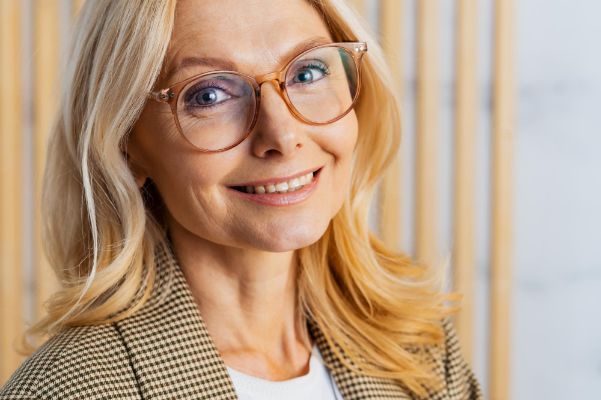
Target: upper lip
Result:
[[268, 181]]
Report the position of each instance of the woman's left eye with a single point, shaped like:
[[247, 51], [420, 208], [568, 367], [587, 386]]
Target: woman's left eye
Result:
[[310, 74]]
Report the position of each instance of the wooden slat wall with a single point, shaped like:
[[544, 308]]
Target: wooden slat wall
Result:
[[11, 292], [77, 4], [45, 57], [46, 38], [359, 5], [502, 183], [465, 167], [427, 111], [46, 96], [427, 125], [390, 207]]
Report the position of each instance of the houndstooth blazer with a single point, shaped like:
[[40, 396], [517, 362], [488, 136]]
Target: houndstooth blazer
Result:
[[164, 351]]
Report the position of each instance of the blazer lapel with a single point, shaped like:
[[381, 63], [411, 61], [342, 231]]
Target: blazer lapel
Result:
[[354, 386], [174, 357], [170, 348]]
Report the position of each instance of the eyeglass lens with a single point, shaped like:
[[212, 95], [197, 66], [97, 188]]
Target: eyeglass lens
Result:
[[215, 111]]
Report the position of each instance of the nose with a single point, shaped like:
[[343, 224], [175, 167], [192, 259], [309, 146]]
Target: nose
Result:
[[277, 131]]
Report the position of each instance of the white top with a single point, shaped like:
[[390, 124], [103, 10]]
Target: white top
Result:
[[317, 384]]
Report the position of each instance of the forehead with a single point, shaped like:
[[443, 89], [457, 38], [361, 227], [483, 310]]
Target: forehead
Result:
[[250, 35]]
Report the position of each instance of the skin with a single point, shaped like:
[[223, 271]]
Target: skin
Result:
[[238, 257]]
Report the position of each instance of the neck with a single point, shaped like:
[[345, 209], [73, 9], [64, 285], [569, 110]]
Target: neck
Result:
[[247, 298]]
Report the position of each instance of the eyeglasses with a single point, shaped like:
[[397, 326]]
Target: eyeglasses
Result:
[[215, 111]]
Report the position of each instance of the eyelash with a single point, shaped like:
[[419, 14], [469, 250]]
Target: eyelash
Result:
[[194, 90], [323, 68]]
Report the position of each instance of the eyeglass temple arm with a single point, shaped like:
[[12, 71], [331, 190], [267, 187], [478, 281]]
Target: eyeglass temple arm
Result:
[[162, 96]]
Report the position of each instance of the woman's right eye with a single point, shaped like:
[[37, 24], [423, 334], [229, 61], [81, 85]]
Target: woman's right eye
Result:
[[206, 97]]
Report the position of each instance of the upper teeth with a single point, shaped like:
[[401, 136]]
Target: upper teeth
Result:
[[282, 187]]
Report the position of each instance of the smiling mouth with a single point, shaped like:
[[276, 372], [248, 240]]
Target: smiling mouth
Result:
[[288, 186]]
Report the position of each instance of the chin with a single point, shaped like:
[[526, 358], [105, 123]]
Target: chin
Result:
[[290, 241]]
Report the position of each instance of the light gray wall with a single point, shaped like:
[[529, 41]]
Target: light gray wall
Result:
[[557, 302]]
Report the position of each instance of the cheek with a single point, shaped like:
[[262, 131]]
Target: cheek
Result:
[[191, 181], [171, 162], [194, 200], [187, 183], [340, 140]]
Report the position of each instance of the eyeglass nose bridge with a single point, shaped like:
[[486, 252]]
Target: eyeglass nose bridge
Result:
[[272, 76], [278, 79], [275, 77]]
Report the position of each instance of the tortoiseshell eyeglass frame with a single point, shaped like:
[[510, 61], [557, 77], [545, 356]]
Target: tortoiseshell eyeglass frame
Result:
[[170, 95]]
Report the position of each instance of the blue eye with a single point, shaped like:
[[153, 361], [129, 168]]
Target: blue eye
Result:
[[310, 73], [206, 97]]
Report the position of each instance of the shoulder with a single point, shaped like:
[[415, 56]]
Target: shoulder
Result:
[[79, 362], [460, 380]]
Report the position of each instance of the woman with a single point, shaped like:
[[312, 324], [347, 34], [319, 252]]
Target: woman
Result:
[[222, 250]]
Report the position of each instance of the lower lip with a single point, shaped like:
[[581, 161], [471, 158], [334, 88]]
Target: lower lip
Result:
[[282, 199]]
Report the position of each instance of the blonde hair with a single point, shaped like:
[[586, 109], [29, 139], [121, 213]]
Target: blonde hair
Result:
[[374, 303]]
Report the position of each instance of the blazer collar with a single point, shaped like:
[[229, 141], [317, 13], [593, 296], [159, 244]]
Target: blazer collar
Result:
[[174, 357]]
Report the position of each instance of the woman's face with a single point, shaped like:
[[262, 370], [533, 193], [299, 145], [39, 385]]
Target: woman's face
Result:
[[258, 37]]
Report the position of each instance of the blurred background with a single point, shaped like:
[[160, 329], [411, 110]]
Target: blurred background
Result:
[[499, 172]]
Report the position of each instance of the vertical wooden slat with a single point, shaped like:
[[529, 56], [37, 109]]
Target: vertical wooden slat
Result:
[[391, 21], [426, 131], [465, 133], [359, 5], [46, 95], [11, 288], [502, 171], [77, 5]]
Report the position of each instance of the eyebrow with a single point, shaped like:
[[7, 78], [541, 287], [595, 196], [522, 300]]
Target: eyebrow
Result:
[[224, 64]]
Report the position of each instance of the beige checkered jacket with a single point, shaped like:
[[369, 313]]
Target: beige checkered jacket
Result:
[[164, 351]]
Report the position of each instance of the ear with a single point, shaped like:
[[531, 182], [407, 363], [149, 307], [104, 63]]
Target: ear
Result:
[[137, 169]]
